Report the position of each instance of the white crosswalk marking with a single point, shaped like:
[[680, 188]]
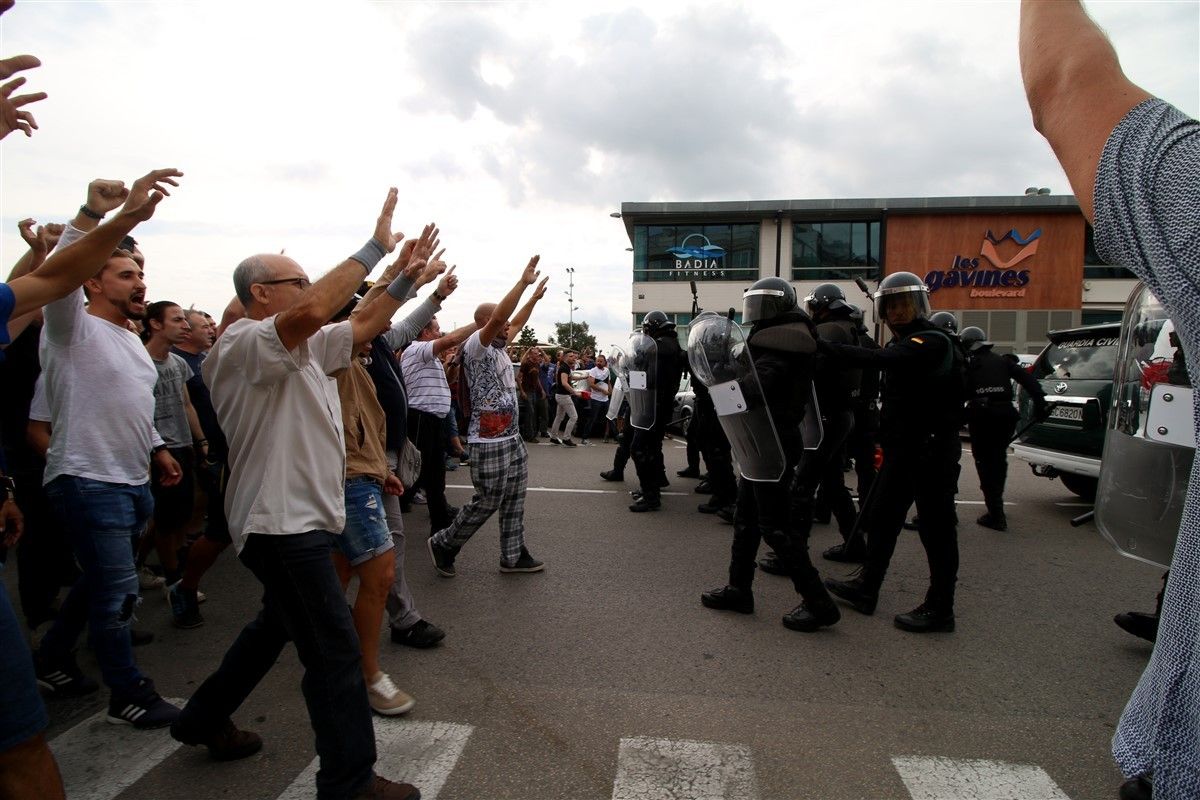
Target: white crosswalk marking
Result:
[[953, 779], [420, 753], [670, 769], [99, 760]]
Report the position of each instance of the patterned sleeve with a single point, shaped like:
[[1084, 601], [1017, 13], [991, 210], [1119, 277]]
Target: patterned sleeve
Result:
[[1147, 198]]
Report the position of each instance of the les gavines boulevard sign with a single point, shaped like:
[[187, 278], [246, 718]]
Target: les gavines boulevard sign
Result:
[[997, 277]]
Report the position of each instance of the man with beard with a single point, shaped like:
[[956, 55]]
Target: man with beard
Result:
[[98, 462]]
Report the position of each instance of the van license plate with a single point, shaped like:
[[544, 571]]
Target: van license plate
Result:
[[1074, 413]]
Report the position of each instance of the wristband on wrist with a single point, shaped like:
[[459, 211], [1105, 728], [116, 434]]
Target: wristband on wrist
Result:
[[400, 288], [441, 298], [87, 212], [369, 254]]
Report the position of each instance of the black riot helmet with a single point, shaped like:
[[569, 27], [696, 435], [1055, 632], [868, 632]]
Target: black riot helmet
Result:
[[946, 321], [826, 298], [766, 299], [657, 322], [905, 297], [974, 339]]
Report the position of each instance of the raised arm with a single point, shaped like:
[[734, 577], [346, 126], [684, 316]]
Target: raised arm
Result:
[[518, 322], [453, 339], [67, 268], [500, 314], [329, 294], [1075, 86]]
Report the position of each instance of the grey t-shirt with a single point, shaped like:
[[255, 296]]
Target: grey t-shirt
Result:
[[170, 418], [1147, 201]]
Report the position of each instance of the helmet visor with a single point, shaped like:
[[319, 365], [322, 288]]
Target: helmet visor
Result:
[[901, 308], [760, 304]]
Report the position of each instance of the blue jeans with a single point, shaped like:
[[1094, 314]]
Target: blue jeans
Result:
[[303, 603], [24, 714], [102, 521]]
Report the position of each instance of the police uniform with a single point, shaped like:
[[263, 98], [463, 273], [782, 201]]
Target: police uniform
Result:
[[992, 418], [771, 511], [646, 445], [923, 395]]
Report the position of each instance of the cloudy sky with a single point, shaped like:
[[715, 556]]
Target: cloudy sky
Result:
[[519, 127]]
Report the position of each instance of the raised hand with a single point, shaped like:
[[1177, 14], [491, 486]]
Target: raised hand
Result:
[[34, 240], [12, 65], [531, 273], [448, 283], [540, 291], [429, 272], [147, 191], [103, 195], [384, 235], [12, 117]]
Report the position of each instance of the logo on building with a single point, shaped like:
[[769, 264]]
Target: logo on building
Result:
[[1000, 279], [699, 259]]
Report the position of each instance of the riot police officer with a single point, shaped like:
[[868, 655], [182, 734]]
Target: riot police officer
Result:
[[923, 394], [651, 406], [992, 418], [946, 321], [776, 378]]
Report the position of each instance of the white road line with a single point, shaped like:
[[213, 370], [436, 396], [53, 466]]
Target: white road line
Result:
[[670, 769], [953, 779], [420, 753], [99, 760], [573, 491], [978, 502], [1076, 505]]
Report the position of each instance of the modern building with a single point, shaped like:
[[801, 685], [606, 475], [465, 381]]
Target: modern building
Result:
[[1015, 266]]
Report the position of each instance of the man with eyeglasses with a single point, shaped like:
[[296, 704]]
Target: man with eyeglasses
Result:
[[270, 376]]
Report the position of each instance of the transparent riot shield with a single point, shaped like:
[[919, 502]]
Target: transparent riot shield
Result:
[[641, 359], [1150, 443], [616, 360], [721, 360]]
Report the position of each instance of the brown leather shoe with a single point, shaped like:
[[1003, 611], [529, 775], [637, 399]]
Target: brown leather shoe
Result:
[[383, 789], [228, 744]]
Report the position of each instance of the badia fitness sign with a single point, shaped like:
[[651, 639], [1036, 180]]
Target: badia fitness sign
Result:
[[992, 276]]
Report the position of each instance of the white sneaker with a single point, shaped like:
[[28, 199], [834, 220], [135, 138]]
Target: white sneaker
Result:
[[148, 580], [385, 698]]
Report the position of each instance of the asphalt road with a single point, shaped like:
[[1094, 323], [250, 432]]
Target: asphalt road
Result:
[[603, 677]]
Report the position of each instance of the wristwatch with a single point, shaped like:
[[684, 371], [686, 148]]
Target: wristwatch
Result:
[[7, 486]]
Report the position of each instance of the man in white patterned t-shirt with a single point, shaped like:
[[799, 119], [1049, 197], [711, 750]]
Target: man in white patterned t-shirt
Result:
[[499, 461]]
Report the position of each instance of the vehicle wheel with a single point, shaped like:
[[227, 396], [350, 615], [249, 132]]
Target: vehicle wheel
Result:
[[1081, 485]]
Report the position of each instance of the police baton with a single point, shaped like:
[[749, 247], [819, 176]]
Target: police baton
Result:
[[865, 507], [1036, 419]]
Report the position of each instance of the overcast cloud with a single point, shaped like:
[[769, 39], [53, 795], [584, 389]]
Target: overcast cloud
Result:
[[519, 127]]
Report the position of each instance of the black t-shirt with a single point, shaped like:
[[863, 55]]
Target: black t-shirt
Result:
[[563, 369]]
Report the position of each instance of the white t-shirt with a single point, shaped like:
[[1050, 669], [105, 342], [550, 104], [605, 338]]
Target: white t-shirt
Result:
[[280, 412], [493, 393], [100, 389], [600, 376]]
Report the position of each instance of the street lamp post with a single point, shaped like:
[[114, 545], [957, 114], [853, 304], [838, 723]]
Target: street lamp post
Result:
[[571, 308]]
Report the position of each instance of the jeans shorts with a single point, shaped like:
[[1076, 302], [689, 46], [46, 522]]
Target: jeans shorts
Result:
[[366, 534]]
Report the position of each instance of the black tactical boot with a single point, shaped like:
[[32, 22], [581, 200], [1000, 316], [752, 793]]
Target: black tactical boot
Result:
[[729, 598], [772, 564], [851, 552], [862, 596], [993, 521], [646, 502], [613, 475], [808, 617], [926, 619], [1139, 623]]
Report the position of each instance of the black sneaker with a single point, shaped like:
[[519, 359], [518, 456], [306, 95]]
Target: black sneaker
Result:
[[63, 679], [1139, 623], [185, 607], [772, 564], [141, 707], [703, 487], [555, 440], [924, 619], [855, 592], [996, 523], [729, 598], [421, 634], [805, 619], [526, 563], [443, 558], [1139, 788], [846, 552], [689, 472], [228, 744], [612, 475], [568, 443]]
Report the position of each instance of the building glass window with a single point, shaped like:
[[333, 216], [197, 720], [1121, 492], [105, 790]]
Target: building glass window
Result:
[[1094, 266], [835, 251], [721, 252]]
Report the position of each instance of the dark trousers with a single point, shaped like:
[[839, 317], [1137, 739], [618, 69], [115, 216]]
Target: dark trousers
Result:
[[769, 512], [923, 471], [428, 433], [599, 411], [860, 446], [822, 468], [303, 603], [713, 445], [990, 433], [624, 445], [646, 451], [527, 418], [44, 559]]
